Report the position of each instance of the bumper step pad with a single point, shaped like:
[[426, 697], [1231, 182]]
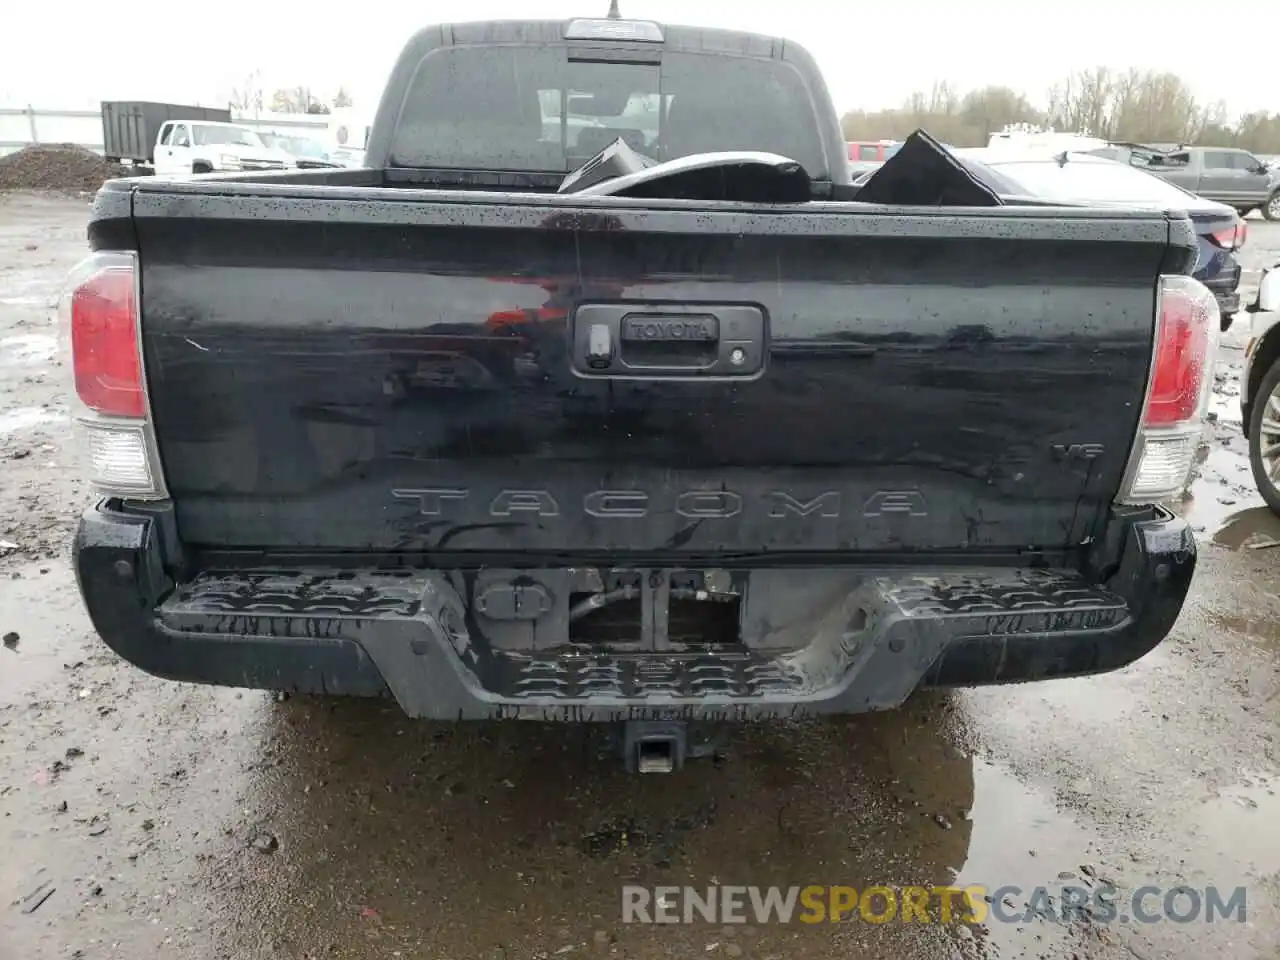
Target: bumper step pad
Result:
[[869, 653]]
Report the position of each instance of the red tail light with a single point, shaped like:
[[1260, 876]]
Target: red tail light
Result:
[[104, 343], [1186, 338], [1231, 238], [1186, 342], [100, 317]]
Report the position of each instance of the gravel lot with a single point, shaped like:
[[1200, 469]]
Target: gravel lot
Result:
[[181, 821]]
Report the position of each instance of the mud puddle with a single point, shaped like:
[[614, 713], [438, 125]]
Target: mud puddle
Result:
[[1223, 490], [1265, 632], [113, 787], [25, 418], [27, 349], [1230, 817], [1253, 527], [378, 825]]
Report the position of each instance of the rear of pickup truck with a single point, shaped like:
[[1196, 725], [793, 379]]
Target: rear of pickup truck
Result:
[[506, 454], [522, 455]]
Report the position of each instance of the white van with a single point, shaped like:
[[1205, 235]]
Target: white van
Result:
[[348, 136], [1044, 141]]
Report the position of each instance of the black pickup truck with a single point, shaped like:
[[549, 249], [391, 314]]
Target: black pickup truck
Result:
[[436, 431]]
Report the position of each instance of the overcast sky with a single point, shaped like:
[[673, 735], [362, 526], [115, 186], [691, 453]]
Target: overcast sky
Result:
[[73, 53]]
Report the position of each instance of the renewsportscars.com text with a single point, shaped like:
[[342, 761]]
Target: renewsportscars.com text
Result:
[[971, 904]]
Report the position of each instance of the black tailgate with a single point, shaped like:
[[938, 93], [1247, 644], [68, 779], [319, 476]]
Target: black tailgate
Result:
[[365, 370]]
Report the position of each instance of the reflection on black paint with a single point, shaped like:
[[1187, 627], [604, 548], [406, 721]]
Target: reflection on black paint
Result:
[[394, 355]]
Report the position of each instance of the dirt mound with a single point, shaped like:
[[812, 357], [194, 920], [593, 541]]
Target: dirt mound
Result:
[[55, 166]]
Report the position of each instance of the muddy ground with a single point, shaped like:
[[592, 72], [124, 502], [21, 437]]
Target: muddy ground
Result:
[[144, 818]]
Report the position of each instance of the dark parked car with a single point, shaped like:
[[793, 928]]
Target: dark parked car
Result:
[[1093, 180], [442, 429]]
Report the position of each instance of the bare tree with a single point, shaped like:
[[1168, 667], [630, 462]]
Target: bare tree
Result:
[[1081, 103], [297, 100], [991, 109], [966, 121], [941, 100], [1259, 132], [1213, 125], [282, 101], [1155, 108], [247, 97], [1142, 106]]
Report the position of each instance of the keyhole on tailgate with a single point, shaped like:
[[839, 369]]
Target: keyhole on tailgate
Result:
[[599, 346]]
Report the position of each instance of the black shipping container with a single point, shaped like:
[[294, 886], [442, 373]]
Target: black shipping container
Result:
[[130, 127]]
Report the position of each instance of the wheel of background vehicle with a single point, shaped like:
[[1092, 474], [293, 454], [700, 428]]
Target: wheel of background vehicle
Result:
[[201, 167], [1271, 209], [1264, 438], [1225, 321]]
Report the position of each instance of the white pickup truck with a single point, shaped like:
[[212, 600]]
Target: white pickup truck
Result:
[[185, 146]]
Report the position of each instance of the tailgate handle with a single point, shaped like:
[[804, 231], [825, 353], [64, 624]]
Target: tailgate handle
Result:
[[664, 341]]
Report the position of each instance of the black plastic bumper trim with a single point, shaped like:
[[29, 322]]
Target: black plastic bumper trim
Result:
[[403, 634], [116, 558]]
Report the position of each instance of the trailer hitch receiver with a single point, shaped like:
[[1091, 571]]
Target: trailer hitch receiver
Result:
[[652, 746]]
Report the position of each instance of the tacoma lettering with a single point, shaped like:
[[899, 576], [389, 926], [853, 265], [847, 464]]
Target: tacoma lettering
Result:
[[824, 504], [695, 504], [616, 503]]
